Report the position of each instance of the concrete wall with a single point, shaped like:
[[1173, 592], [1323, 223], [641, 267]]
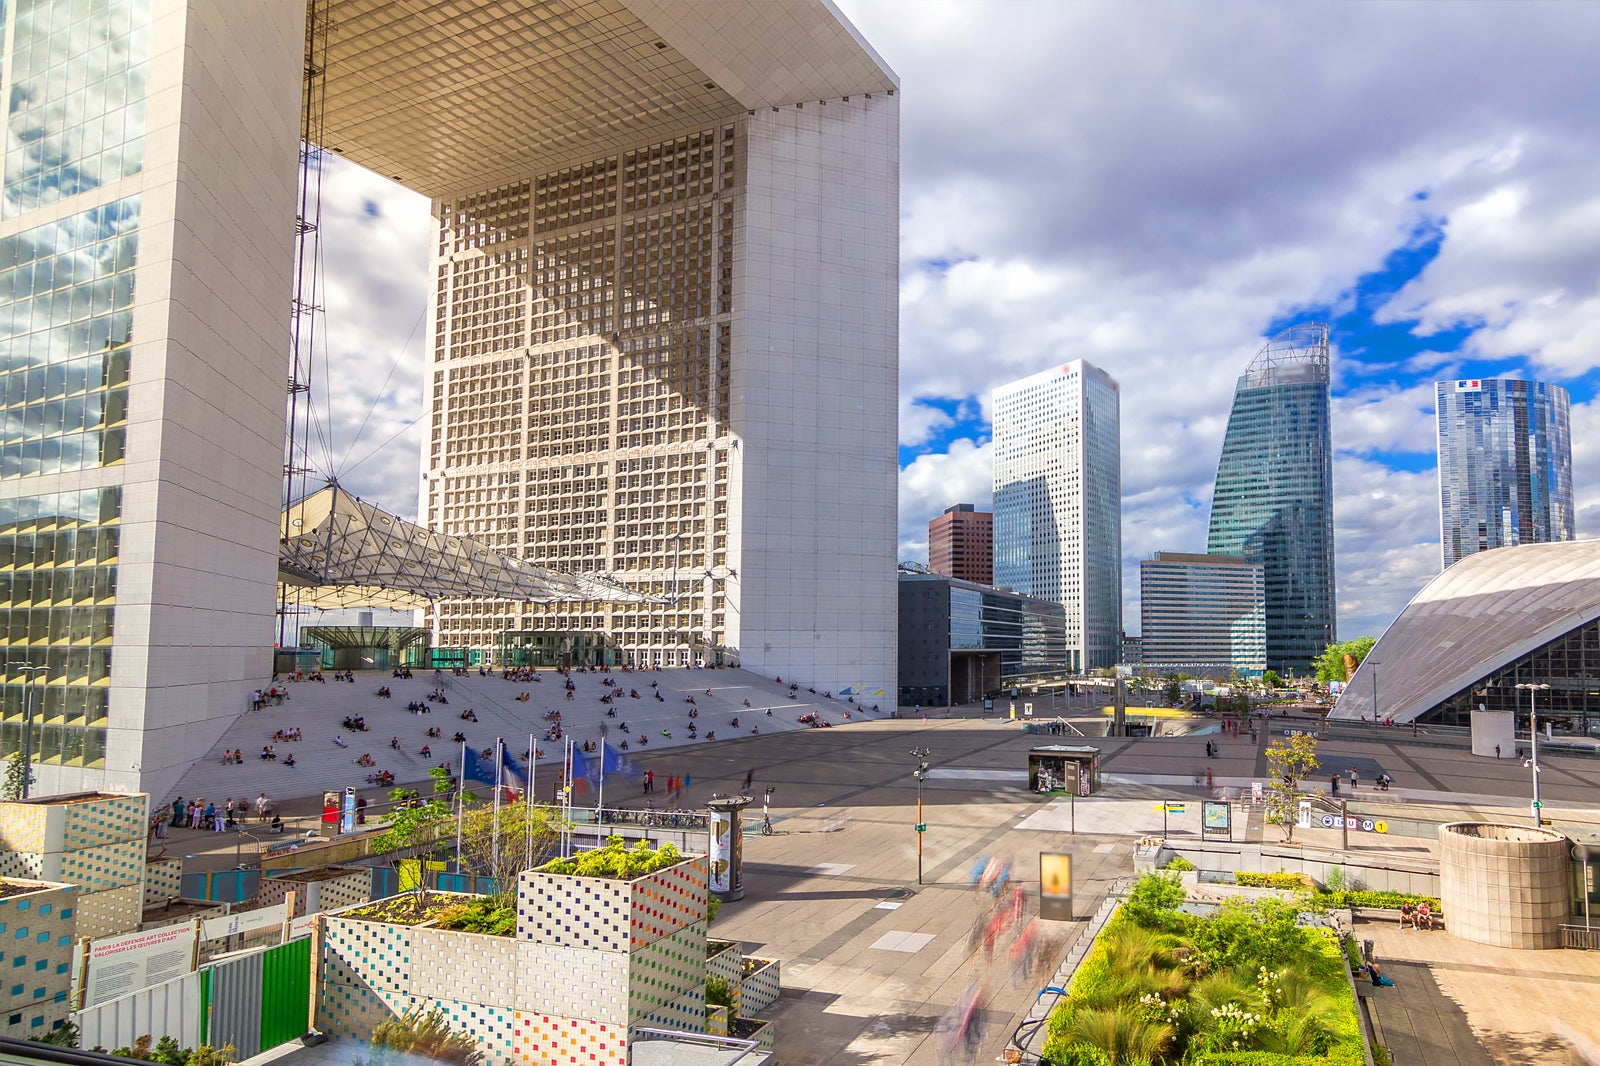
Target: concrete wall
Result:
[[1504, 885]]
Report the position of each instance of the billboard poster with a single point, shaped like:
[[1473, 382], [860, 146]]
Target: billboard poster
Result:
[[122, 964], [1055, 886], [720, 854]]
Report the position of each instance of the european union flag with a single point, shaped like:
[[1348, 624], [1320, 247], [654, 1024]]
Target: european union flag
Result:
[[478, 768], [613, 761]]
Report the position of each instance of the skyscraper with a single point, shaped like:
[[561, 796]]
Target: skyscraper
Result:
[[1273, 502], [662, 345], [1505, 464], [961, 544], [1058, 501], [1202, 614]]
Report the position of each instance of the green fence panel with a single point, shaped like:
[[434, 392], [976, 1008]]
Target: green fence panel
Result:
[[285, 992]]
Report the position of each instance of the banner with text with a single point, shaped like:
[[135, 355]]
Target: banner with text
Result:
[[122, 964]]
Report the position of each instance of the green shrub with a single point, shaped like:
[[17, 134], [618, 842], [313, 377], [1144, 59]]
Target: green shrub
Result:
[[1274, 880], [423, 1035], [1155, 900], [485, 914], [617, 860], [1378, 900], [1179, 863]]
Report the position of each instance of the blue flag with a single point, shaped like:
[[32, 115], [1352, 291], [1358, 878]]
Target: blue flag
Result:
[[512, 774], [583, 768], [478, 768], [613, 761]]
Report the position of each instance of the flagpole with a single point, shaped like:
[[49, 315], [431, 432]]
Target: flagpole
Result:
[[566, 796], [533, 768], [461, 786], [494, 842], [599, 795]]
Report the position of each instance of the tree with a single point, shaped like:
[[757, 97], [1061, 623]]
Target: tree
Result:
[[523, 834], [1271, 679], [1338, 662], [11, 790], [1289, 760]]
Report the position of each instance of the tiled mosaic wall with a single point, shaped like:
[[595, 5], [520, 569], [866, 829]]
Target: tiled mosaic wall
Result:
[[758, 991], [327, 894], [37, 933], [97, 843], [107, 820], [117, 910], [163, 882]]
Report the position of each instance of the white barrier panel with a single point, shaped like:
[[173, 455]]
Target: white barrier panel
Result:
[[171, 1008], [243, 922]]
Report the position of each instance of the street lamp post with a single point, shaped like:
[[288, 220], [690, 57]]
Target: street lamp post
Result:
[[27, 720], [1374, 664], [1533, 744], [919, 773]]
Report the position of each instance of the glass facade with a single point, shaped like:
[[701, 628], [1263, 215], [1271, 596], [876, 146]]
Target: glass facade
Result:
[[1202, 614], [1569, 664], [77, 73], [77, 108], [1505, 465], [58, 582], [1058, 501], [1029, 634], [1273, 502]]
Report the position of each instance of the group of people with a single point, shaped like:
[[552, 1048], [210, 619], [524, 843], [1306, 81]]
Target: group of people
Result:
[[1419, 917], [356, 723], [197, 813]]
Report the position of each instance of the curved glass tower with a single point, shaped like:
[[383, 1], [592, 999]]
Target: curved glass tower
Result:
[[1273, 502], [1505, 465]]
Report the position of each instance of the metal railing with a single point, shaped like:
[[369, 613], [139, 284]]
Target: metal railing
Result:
[[1580, 937]]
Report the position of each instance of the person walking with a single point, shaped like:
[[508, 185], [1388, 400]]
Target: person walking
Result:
[[179, 808], [1333, 783], [227, 809], [196, 812], [749, 778], [649, 781], [262, 804]]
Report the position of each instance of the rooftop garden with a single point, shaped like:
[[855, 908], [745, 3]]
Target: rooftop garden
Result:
[[1245, 985], [617, 861]]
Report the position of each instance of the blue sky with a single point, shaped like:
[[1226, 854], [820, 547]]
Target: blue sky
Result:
[[1157, 188]]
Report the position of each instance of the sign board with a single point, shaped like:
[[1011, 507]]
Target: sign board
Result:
[[1216, 819], [347, 820], [1055, 886], [1365, 825], [122, 964], [1027, 710], [1258, 792], [1170, 807], [302, 926], [243, 922]]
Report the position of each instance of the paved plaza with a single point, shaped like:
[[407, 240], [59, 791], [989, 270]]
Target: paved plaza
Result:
[[873, 960]]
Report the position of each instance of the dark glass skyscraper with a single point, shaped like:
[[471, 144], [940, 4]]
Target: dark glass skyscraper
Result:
[[1273, 502], [1505, 465]]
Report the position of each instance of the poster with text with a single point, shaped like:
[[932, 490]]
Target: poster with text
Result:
[[1055, 886]]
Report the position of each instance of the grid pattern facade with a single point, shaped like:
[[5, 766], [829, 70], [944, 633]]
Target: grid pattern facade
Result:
[[1202, 614], [1505, 465], [1569, 664], [961, 544], [580, 390], [38, 930], [1058, 502], [1273, 501]]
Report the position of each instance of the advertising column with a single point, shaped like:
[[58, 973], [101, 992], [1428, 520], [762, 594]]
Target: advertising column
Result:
[[726, 851]]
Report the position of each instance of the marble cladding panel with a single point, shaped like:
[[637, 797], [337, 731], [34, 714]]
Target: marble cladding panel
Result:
[[108, 820], [552, 1040], [446, 965], [116, 910], [572, 982], [163, 882], [666, 971]]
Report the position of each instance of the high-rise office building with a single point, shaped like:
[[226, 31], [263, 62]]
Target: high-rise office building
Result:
[[1505, 464], [1058, 502], [663, 335], [1273, 502], [1202, 614], [961, 544]]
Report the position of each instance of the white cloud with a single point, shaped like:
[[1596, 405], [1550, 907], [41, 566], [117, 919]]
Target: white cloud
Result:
[[963, 474]]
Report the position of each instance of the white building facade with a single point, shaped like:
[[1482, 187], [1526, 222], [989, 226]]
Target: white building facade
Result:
[[1058, 502], [667, 240], [1202, 614]]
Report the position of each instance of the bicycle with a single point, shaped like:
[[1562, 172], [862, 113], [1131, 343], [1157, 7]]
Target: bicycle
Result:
[[766, 825]]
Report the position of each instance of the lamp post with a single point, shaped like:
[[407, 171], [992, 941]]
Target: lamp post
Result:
[[27, 720], [919, 773], [1533, 743], [1374, 664]]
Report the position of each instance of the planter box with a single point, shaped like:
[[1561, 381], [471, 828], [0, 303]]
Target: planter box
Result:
[[40, 929], [765, 1036], [592, 959], [758, 989], [716, 1021], [725, 960]]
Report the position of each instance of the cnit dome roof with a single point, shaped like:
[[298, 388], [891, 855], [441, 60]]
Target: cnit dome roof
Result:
[[1486, 611]]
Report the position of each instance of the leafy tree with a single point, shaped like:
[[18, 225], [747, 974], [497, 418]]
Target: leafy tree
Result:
[[415, 821], [11, 790], [1331, 664], [496, 844], [1271, 679], [1289, 760], [424, 1035]]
